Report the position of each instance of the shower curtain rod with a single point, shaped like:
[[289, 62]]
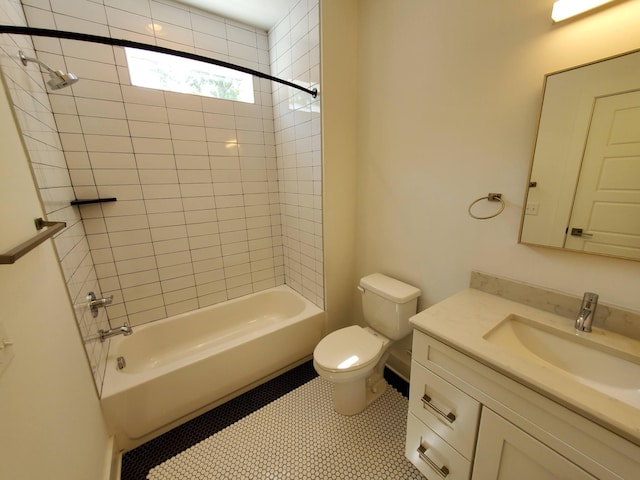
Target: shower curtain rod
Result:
[[85, 37]]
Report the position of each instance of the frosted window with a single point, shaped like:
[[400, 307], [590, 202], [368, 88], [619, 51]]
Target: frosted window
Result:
[[183, 75]]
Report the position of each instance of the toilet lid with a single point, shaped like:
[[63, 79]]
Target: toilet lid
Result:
[[347, 349]]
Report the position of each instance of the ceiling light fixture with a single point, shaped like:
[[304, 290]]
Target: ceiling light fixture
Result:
[[564, 9], [154, 28]]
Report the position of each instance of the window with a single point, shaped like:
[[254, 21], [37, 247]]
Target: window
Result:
[[183, 75]]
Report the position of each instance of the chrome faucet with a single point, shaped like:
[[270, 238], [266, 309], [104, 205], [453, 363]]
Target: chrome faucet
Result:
[[586, 312], [95, 303], [125, 330]]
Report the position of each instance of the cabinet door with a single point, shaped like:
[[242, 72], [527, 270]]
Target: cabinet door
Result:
[[504, 452]]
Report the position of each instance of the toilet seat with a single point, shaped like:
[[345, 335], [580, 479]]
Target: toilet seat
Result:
[[348, 349]]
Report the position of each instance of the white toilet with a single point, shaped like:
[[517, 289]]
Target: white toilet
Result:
[[353, 358]]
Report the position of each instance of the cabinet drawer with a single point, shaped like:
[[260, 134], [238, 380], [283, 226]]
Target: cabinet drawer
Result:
[[433, 456], [448, 411]]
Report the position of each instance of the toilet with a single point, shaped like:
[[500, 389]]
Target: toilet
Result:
[[353, 358]]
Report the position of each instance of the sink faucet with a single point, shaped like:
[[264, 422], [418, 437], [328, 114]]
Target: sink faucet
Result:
[[125, 330], [586, 312]]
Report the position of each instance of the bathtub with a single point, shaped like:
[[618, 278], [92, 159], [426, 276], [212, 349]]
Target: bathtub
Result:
[[179, 367]]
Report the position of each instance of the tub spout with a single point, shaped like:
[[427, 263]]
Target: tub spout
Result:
[[125, 330]]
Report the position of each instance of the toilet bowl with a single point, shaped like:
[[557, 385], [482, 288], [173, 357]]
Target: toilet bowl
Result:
[[350, 358], [353, 358]]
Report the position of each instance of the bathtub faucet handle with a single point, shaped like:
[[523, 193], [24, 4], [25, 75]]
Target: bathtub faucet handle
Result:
[[94, 303]]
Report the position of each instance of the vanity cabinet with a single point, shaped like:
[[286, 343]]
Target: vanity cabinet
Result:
[[468, 421], [505, 451]]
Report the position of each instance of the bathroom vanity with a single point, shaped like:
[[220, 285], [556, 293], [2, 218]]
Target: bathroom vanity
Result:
[[502, 390]]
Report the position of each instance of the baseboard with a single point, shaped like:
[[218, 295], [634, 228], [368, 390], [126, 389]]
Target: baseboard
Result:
[[113, 463]]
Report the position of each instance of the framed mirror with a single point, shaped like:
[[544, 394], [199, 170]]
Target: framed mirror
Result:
[[583, 191]]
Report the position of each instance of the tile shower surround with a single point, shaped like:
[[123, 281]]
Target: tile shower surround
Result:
[[38, 126], [216, 199]]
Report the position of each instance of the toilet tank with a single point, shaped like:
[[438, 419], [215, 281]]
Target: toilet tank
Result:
[[387, 304]]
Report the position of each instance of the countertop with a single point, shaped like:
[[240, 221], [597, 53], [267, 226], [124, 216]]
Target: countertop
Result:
[[463, 319]]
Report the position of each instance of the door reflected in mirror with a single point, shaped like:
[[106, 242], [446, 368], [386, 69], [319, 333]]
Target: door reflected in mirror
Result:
[[583, 190]]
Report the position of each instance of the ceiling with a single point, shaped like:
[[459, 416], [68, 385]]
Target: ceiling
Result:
[[259, 13]]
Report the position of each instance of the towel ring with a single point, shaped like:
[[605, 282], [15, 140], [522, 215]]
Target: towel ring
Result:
[[492, 197]]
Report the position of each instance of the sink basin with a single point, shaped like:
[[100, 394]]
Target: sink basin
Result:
[[584, 359]]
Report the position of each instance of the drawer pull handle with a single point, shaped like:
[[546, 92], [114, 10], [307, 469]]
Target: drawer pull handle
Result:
[[448, 416], [443, 471]]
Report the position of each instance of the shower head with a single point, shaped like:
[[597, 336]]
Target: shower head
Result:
[[58, 79]]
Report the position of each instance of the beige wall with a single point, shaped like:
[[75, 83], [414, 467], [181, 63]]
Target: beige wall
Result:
[[52, 426], [448, 99], [338, 94]]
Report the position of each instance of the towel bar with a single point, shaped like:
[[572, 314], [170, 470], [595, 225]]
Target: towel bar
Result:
[[25, 247]]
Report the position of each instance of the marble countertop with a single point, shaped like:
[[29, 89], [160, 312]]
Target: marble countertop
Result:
[[462, 320]]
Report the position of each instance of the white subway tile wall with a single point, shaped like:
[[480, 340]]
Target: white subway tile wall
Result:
[[294, 49], [216, 199], [38, 126]]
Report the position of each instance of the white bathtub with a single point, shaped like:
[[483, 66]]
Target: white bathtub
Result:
[[181, 366]]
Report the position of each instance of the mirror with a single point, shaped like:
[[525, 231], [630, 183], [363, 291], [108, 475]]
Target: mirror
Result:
[[583, 192]]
